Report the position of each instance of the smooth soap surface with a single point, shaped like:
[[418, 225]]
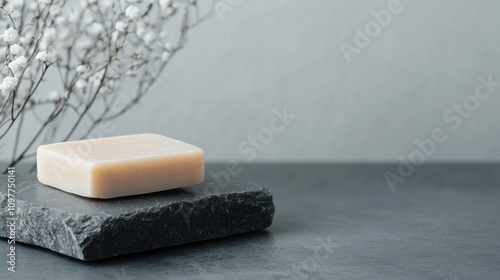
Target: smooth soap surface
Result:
[[120, 166]]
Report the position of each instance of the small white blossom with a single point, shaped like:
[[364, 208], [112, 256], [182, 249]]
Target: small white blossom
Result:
[[164, 4], [10, 35], [42, 56], [163, 34], [81, 68], [60, 20], [18, 65], [73, 16], [114, 36], [88, 19], [140, 32], [8, 84], [54, 95], [43, 44], [120, 26], [131, 73], [106, 4], [25, 40], [22, 61], [16, 49], [132, 12], [63, 35], [165, 55], [33, 6], [149, 37], [170, 11], [49, 34], [95, 29], [80, 84], [168, 47]]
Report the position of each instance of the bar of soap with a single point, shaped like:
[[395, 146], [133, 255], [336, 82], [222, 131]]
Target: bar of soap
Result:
[[120, 166]]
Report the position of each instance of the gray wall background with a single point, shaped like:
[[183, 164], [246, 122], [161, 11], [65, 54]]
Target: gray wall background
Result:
[[261, 55]]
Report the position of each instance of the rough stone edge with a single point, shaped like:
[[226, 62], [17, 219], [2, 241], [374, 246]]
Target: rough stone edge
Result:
[[65, 230]]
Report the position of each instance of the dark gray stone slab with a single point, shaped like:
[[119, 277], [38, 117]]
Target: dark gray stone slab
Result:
[[90, 229]]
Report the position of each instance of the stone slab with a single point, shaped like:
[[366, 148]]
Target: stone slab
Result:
[[93, 229]]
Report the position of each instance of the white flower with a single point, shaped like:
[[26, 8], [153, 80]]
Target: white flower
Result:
[[164, 4], [132, 12], [81, 68], [49, 35], [106, 4], [18, 65], [16, 49], [8, 84], [73, 16], [163, 34], [54, 95], [165, 55], [80, 84], [131, 73], [120, 26], [10, 35], [60, 20], [170, 11], [140, 32], [149, 37], [25, 40], [42, 56], [22, 61], [43, 45], [114, 36], [33, 6], [96, 29], [64, 34], [168, 47]]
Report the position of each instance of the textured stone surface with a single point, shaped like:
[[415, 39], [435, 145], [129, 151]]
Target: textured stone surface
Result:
[[90, 229]]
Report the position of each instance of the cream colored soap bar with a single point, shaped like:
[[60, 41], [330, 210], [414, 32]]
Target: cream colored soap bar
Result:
[[120, 166]]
